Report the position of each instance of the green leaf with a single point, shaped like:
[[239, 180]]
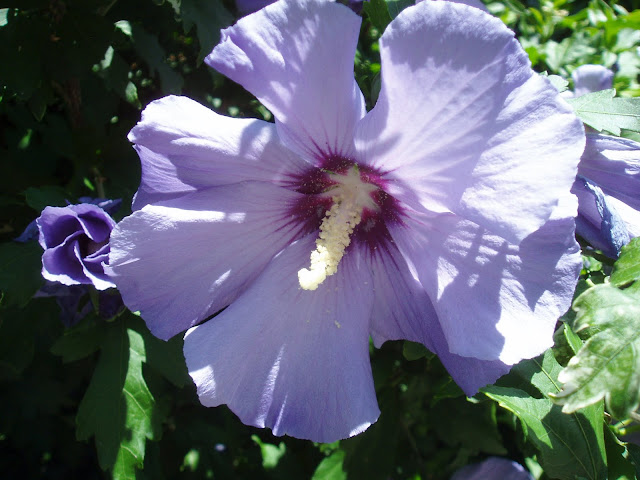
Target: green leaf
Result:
[[80, 341], [568, 51], [50, 195], [395, 7], [618, 464], [372, 454], [627, 267], [17, 340], [118, 408], [608, 365], [572, 338], [271, 454], [114, 71], [167, 358], [414, 350], [149, 48], [378, 13], [473, 427], [600, 110], [633, 451], [209, 17], [330, 468], [20, 266], [569, 446], [560, 83]]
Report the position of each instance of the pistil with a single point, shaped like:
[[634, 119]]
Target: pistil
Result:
[[351, 196]]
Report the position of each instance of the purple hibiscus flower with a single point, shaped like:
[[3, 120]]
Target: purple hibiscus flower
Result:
[[608, 191], [442, 216], [75, 239], [245, 7], [493, 468], [608, 182]]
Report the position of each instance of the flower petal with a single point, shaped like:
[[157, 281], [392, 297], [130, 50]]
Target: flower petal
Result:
[[461, 117], [94, 268], [182, 260], [62, 263], [292, 360], [598, 221], [494, 300], [630, 216], [58, 223], [614, 164], [591, 78], [184, 146], [245, 7], [297, 58], [403, 311]]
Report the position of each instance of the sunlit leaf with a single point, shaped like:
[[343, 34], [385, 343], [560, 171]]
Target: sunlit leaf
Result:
[[603, 111], [569, 446], [330, 468], [608, 365], [627, 267], [271, 454]]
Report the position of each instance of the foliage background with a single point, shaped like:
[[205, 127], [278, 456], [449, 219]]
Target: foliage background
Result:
[[104, 398]]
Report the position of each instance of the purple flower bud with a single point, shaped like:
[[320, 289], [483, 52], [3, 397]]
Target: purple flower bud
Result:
[[493, 468], [75, 239]]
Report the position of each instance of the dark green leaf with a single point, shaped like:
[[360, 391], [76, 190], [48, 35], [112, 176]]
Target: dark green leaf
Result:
[[80, 341], [209, 16], [372, 454], [414, 350], [149, 48], [633, 452], [47, 196], [115, 73], [618, 464], [20, 265], [118, 408], [17, 341], [603, 111], [166, 358], [473, 427]]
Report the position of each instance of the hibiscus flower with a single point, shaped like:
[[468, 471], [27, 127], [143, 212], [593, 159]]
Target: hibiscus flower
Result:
[[608, 182], [442, 216]]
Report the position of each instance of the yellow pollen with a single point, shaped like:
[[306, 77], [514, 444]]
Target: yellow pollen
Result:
[[335, 232]]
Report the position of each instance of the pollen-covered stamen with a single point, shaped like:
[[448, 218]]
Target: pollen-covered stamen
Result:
[[350, 196]]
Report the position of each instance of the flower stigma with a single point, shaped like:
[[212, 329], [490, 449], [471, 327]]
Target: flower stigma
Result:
[[350, 196]]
